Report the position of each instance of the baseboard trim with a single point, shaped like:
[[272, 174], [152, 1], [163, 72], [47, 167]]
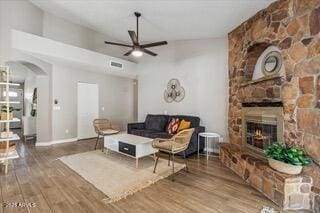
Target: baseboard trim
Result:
[[49, 143]]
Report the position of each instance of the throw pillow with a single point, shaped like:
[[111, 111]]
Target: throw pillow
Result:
[[173, 126], [184, 125]]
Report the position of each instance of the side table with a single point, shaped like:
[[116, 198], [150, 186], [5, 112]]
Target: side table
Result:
[[207, 136]]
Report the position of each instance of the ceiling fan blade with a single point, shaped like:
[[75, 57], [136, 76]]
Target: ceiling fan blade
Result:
[[148, 52], [113, 43], [128, 53], [154, 44], [133, 37]]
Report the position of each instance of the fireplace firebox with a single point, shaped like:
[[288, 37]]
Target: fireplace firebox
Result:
[[262, 125]]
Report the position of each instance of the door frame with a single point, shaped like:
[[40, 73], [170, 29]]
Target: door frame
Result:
[[84, 82]]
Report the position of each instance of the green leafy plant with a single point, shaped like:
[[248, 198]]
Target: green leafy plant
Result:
[[290, 155], [11, 109]]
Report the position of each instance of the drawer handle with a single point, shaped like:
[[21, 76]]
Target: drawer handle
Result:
[[126, 149]]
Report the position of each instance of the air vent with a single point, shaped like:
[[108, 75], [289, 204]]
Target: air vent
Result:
[[116, 65]]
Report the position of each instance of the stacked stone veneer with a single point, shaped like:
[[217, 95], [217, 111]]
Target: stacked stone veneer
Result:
[[293, 26], [287, 191]]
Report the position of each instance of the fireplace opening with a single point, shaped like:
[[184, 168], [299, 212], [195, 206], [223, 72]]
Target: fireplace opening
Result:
[[261, 126], [260, 134]]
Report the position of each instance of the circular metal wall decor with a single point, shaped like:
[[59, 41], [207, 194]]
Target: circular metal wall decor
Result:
[[271, 64], [174, 92]]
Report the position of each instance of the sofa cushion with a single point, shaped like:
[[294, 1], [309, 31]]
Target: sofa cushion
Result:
[[142, 132], [161, 135], [150, 134], [156, 122], [195, 121]]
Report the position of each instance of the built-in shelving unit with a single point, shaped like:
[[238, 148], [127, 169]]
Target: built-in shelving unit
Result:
[[7, 155]]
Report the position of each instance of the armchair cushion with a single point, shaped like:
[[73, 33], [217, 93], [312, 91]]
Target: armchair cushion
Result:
[[109, 132], [169, 145], [177, 143]]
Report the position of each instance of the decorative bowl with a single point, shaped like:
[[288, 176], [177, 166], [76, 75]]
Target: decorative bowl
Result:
[[284, 167]]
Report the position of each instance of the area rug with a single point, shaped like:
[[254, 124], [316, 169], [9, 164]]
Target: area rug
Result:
[[115, 174]]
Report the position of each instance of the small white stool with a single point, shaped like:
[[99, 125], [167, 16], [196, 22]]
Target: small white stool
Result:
[[206, 136]]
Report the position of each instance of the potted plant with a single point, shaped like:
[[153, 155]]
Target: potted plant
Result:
[[4, 112], [285, 159]]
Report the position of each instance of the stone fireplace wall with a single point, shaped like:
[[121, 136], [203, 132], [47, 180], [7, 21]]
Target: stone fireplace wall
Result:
[[293, 26]]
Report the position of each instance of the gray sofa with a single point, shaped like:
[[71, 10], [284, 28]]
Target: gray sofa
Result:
[[155, 127]]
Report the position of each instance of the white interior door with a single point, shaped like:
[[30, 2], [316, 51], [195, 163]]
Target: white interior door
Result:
[[88, 109]]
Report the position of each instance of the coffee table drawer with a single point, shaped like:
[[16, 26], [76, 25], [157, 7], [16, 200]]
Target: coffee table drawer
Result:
[[127, 149]]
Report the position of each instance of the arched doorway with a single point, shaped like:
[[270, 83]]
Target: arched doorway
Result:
[[35, 104]]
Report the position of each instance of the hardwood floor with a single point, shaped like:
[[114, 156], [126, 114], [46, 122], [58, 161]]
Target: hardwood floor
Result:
[[37, 176]]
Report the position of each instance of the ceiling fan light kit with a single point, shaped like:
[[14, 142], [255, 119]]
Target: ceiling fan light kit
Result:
[[137, 53], [137, 49]]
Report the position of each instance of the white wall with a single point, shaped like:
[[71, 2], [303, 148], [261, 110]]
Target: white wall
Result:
[[115, 95], [200, 65], [24, 16], [67, 32], [19, 15], [61, 30], [201, 68]]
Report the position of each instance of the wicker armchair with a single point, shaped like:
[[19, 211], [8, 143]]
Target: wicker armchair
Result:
[[104, 127], [178, 143]]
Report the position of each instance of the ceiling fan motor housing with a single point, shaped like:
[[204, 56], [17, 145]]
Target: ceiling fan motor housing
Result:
[[137, 14]]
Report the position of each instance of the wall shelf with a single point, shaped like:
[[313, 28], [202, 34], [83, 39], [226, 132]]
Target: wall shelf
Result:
[[10, 102], [10, 84], [10, 121], [8, 156], [14, 137], [266, 78]]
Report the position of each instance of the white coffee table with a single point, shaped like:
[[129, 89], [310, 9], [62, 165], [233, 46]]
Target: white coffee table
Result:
[[130, 145]]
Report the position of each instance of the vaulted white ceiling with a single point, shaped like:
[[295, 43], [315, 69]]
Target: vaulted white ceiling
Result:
[[161, 19]]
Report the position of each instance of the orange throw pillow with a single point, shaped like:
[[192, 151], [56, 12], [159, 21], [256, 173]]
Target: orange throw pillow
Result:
[[184, 125]]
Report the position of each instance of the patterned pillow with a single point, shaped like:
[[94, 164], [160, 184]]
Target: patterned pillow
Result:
[[173, 126]]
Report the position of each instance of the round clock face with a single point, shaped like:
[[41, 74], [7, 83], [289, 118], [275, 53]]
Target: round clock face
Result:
[[272, 63]]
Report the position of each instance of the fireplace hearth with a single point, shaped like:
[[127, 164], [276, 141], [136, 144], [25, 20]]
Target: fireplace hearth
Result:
[[262, 125]]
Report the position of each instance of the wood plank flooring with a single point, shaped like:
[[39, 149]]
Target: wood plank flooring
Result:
[[38, 177]]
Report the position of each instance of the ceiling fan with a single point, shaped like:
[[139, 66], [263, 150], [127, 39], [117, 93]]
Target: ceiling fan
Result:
[[137, 49]]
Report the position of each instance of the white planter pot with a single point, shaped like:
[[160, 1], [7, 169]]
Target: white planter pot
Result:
[[284, 167]]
